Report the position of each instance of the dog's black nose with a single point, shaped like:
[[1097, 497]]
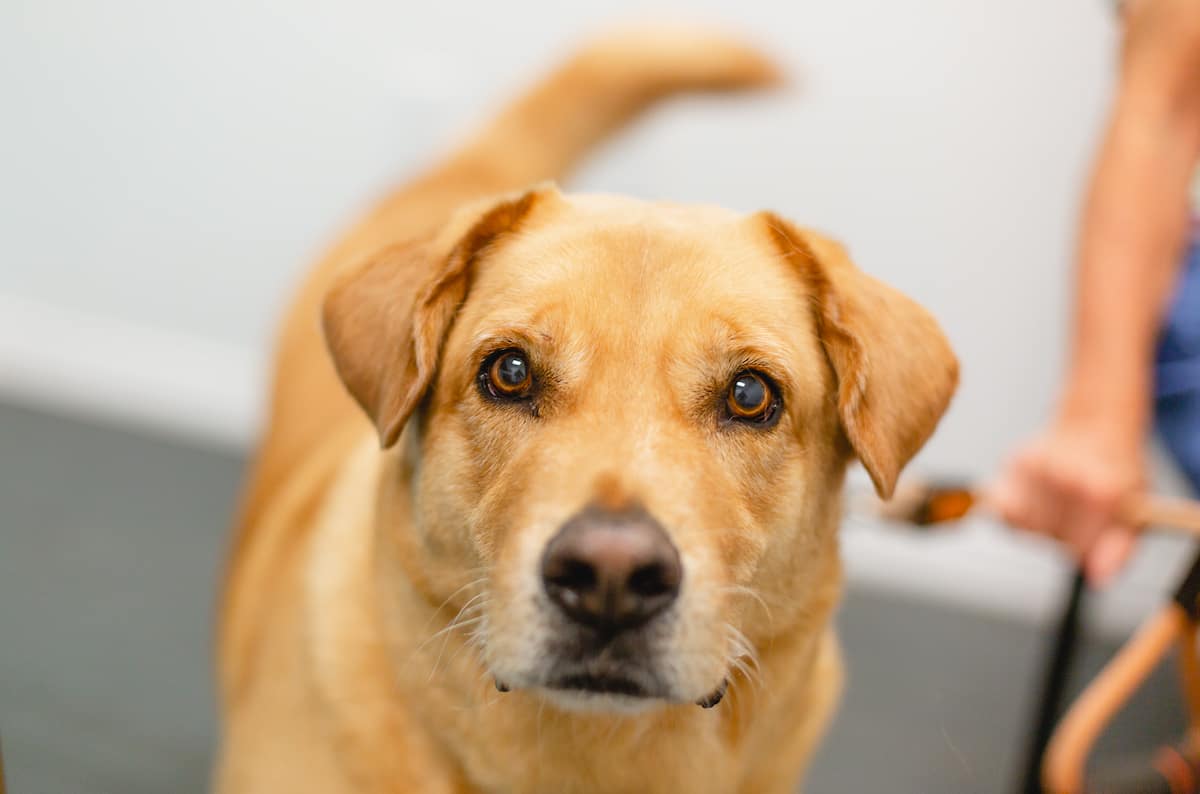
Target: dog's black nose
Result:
[[612, 570]]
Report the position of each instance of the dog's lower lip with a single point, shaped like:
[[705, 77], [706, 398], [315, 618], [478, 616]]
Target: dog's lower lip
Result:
[[713, 699], [609, 685]]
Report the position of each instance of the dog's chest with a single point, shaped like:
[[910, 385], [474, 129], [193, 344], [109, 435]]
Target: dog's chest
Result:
[[560, 760]]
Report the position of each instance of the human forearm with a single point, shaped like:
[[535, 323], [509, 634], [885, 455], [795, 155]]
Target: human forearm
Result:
[[1133, 228], [1135, 220]]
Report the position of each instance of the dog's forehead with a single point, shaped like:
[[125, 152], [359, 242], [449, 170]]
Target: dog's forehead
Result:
[[606, 260]]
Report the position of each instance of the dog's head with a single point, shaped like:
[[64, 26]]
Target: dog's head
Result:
[[630, 424]]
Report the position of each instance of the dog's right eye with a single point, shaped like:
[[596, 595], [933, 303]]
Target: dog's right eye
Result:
[[751, 399], [506, 375]]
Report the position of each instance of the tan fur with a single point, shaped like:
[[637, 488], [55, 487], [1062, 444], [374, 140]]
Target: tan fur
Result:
[[374, 595]]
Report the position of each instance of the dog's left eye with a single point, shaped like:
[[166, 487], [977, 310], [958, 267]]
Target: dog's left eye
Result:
[[751, 398], [506, 375]]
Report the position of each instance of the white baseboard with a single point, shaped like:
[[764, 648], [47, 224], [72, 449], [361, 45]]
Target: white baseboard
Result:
[[204, 392], [101, 368]]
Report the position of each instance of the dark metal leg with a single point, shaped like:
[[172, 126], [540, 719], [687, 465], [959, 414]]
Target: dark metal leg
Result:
[[1054, 685]]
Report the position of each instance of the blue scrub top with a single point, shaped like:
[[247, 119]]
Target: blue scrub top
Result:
[[1178, 360], [1177, 370]]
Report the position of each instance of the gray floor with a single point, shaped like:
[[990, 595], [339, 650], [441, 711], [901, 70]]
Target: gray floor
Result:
[[110, 544]]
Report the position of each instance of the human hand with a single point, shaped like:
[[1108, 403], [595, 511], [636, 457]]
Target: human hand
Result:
[[1073, 482]]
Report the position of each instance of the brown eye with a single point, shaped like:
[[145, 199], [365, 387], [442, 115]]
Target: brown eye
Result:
[[508, 375], [751, 398]]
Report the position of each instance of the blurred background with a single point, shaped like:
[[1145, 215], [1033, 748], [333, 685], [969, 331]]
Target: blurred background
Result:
[[169, 169]]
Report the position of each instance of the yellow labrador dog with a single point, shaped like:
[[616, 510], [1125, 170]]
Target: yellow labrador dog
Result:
[[549, 493]]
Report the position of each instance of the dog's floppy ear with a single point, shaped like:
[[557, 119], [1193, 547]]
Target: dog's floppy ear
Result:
[[895, 370], [385, 319]]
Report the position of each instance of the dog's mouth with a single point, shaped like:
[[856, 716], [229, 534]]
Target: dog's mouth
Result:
[[600, 685], [621, 686], [714, 697]]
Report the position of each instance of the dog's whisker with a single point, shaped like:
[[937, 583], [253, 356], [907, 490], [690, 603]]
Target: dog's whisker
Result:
[[465, 617], [471, 610], [481, 581], [743, 657], [468, 610], [478, 601], [747, 672], [752, 594], [463, 621], [473, 583], [471, 642], [441, 651], [748, 662]]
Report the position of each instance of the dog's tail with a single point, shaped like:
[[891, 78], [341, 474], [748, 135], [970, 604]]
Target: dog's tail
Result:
[[545, 132]]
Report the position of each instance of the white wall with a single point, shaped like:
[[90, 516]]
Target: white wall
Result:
[[167, 169]]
